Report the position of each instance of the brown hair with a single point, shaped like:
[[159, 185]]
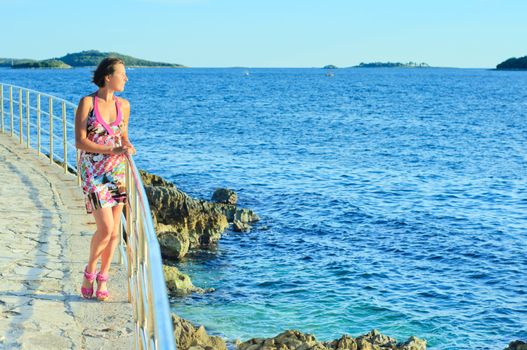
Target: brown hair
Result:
[[105, 67]]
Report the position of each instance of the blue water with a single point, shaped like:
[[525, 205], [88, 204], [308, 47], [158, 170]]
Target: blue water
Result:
[[392, 198]]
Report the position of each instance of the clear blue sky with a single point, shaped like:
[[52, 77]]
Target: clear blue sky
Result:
[[270, 33]]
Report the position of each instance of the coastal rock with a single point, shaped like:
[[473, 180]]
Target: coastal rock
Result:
[[414, 343], [179, 283], [154, 180], [295, 340], [233, 213], [290, 339], [224, 195], [346, 342], [239, 226], [183, 223], [192, 223], [174, 244], [188, 337], [517, 345], [376, 339]]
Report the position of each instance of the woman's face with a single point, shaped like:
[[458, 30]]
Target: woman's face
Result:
[[118, 78]]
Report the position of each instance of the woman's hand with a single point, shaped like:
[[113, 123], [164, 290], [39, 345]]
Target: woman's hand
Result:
[[130, 149], [119, 150]]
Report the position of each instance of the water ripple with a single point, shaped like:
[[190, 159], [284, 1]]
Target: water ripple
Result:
[[394, 199]]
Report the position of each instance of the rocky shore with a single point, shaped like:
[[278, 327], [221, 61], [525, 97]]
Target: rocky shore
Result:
[[297, 340], [184, 223], [189, 337]]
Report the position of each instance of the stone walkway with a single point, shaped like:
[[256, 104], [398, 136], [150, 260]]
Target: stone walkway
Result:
[[44, 240]]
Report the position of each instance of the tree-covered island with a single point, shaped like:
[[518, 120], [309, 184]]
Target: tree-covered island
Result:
[[83, 59], [513, 64], [392, 65]]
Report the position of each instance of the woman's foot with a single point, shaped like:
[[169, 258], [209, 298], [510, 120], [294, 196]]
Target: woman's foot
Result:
[[87, 284], [102, 293]]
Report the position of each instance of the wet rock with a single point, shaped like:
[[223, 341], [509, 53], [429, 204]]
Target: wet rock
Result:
[[224, 195], [179, 283], [234, 213], [414, 343], [517, 345], [174, 244], [239, 226], [188, 337]]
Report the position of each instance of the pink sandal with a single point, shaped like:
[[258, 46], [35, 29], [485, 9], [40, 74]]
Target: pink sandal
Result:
[[102, 295], [87, 293]]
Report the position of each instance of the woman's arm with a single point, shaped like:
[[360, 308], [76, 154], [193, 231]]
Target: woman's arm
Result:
[[81, 123]]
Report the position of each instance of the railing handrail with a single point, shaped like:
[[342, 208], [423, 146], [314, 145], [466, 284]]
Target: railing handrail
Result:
[[160, 305], [141, 254], [68, 103]]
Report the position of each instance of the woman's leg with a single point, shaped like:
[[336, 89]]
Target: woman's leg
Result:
[[105, 223], [107, 253]]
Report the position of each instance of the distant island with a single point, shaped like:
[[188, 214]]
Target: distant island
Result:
[[9, 62], [392, 65], [52, 63], [83, 59], [330, 66], [513, 64]]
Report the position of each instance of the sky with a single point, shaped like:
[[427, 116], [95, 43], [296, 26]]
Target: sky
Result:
[[270, 33]]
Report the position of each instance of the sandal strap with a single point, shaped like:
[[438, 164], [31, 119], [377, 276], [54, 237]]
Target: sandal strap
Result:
[[102, 293], [102, 277], [89, 276]]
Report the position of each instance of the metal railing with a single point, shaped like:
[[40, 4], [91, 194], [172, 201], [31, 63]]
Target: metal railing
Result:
[[139, 250]]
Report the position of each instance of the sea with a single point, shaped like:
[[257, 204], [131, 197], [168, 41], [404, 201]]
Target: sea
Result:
[[390, 198]]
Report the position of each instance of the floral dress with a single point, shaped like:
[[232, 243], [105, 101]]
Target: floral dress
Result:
[[103, 175]]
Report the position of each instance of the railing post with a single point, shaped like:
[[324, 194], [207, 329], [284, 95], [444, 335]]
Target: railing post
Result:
[[149, 286], [38, 125], [142, 294], [121, 242], [78, 155], [27, 119], [20, 112], [11, 112], [64, 138], [129, 229], [2, 104], [77, 151], [50, 130]]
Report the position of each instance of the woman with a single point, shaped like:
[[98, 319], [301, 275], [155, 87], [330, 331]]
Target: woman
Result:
[[101, 135]]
